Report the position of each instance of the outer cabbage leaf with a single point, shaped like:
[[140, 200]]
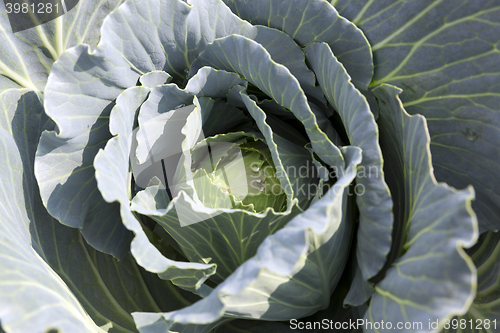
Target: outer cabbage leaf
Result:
[[50, 277], [304, 258], [445, 56], [309, 21], [28, 288], [432, 278], [27, 55], [64, 159]]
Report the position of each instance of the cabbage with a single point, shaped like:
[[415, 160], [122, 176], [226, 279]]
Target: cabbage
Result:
[[244, 166]]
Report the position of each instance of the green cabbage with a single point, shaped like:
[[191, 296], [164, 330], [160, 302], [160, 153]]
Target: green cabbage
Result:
[[251, 165]]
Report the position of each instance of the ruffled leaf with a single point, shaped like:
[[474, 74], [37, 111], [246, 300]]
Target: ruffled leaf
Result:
[[64, 160], [375, 204], [28, 287], [112, 174], [432, 278]]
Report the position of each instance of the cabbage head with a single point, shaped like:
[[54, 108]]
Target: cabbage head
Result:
[[250, 166]]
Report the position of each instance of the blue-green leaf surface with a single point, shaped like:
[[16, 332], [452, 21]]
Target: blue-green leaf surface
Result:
[[291, 276], [152, 118], [28, 286], [445, 56], [171, 45], [28, 55], [64, 159], [375, 204], [433, 278], [309, 21]]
